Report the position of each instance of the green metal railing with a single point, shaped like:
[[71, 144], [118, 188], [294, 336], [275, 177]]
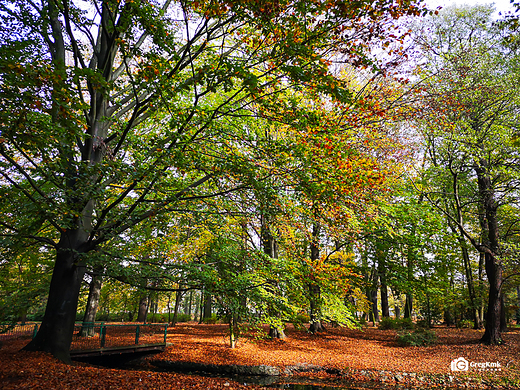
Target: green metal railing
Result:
[[101, 335], [8, 331], [96, 335]]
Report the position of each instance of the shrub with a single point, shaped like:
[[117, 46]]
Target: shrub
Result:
[[211, 320], [181, 317], [465, 324], [405, 323], [398, 323], [416, 338], [387, 323], [157, 317], [423, 324]]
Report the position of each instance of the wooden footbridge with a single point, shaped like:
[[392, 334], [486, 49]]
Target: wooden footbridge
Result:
[[100, 339]]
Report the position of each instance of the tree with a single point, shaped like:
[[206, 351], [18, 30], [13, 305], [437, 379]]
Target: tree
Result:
[[109, 107], [470, 111]]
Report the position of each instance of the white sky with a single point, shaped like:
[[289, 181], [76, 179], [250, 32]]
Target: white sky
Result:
[[500, 5]]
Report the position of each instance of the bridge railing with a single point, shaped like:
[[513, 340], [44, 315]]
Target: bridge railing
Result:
[[13, 330], [100, 335], [97, 334]]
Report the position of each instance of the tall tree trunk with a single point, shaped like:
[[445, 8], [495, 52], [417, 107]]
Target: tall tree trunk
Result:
[[493, 333], [207, 306], [481, 263], [233, 331], [178, 298], [375, 310], [410, 260], [169, 307], [408, 306], [190, 303], [372, 294], [385, 308], [94, 293], [314, 288], [397, 295], [270, 249], [55, 333], [143, 309], [315, 322], [197, 306], [490, 247]]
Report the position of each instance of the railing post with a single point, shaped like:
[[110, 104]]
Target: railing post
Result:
[[165, 332], [35, 330], [137, 330], [103, 332]]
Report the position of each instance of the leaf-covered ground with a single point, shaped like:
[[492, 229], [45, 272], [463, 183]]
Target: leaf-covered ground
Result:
[[365, 354]]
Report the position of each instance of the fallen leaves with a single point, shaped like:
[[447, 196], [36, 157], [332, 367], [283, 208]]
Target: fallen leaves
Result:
[[370, 351]]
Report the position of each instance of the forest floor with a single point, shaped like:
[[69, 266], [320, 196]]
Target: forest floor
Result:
[[370, 356]]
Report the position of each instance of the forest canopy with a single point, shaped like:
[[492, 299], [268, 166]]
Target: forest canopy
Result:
[[325, 162]]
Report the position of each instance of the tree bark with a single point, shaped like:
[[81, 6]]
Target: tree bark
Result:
[[396, 294], [207, 306], [94, 293], [190, 303], [178, 298], [315, 322], [410, 260], [313, 288], [55, 333], [375, 311], [143, 309], [493, 333], [385, 308], [408, 306], [270, 247]]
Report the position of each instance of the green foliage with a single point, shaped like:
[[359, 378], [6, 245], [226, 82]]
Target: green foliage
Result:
[[161, 317], [395, 323], [181, 317], [211, 320], [469, 110], [300, 318], [129, 121], [467, 324], [24, 282], [299, 321], [422, 323], [416, 338]]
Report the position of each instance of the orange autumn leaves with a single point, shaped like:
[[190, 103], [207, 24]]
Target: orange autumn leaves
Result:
[[370, 349]]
